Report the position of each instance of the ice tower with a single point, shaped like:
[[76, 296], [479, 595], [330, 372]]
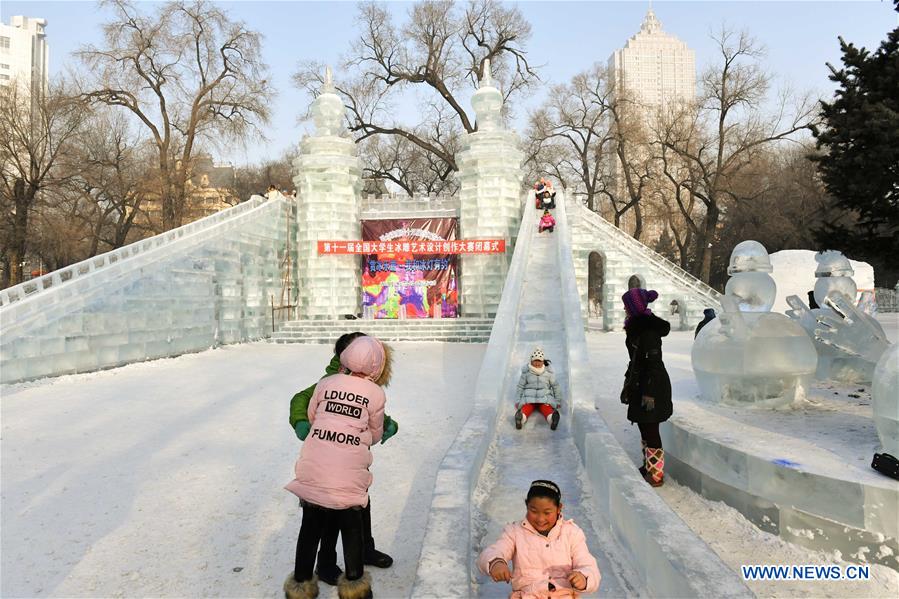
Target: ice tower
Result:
[[329, 182], [490, 190], [749, 355]]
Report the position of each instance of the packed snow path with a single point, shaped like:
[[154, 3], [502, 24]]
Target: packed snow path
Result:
[[517, 457]]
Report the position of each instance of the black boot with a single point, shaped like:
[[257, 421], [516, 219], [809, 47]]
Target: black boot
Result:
[[329, 574], [376, 558], [371, 556]]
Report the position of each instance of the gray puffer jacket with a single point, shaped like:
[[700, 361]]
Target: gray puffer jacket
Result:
[[538, 388]]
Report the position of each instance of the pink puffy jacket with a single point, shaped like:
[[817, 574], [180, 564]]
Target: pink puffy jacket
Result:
[[540, 560], [347, 416], [547, 221]]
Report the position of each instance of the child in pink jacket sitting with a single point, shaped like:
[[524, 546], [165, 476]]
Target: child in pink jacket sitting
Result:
[[547, 222], [332, 475], [550, 553]]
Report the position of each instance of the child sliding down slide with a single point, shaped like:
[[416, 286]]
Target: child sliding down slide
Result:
[[549, 553], [538, 390]]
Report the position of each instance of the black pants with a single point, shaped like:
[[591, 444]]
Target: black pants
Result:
[[327, 551], [316, 521], [649, 432]]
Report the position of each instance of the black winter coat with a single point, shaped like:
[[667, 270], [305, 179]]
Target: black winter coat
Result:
[[644, 333]]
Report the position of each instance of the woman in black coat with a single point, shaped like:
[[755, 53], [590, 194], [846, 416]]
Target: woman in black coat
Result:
[[647, 388]]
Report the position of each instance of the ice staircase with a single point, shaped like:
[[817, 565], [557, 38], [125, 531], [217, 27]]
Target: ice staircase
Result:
[[623, 256], [447, 330], [642, 547], [203, 284]]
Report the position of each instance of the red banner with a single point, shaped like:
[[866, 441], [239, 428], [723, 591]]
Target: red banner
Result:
[[458, 246]]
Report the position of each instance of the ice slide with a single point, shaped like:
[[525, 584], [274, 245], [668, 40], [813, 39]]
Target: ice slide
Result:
[[641, 546]]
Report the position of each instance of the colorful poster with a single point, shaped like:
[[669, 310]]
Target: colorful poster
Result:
[[401, 283]]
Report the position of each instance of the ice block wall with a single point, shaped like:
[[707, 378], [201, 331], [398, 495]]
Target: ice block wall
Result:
[[205, 284]]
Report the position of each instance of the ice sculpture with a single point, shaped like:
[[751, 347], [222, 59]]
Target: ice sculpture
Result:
[[750, 355], [848, 341], [886, 399]]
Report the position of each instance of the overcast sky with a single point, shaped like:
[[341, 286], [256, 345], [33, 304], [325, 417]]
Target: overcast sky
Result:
[[567, 38]]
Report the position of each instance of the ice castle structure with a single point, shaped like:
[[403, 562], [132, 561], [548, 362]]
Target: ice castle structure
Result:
[[849, 342], [217, 280], [490, 178], [750, 355]]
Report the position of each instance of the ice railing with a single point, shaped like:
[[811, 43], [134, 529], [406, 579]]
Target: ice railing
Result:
[[679, 273], [400, 201], [96, 264]]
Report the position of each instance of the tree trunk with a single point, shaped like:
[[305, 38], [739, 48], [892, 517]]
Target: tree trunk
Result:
[[19, 232], [4, 278], [708, 236], [638, 220]]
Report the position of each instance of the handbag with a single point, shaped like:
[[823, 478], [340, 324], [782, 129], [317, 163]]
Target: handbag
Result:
[[631, 378], [630, 382]]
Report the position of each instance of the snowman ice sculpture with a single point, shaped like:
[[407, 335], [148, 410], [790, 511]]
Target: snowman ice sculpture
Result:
[[749, 355], [848, 341]]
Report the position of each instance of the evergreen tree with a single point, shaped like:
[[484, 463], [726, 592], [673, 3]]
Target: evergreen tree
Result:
[[860, 162]]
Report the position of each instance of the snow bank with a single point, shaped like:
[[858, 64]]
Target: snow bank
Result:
[[794, 273]]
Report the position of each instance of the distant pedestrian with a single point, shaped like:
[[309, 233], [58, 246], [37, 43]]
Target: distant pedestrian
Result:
[[708, 316]]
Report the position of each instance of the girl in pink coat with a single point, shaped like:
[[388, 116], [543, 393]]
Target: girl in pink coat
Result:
[[332, 477], [547, 222], [550, 553]]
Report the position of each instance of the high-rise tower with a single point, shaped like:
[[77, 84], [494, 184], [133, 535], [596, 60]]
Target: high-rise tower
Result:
[[24, 54], [656, 70]]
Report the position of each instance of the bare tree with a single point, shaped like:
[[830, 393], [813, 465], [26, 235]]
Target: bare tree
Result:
[[112, 180], [706, 146], [575, 124], [593, 135], [35, 133], [440, 52], [256, 179], [189, 75]]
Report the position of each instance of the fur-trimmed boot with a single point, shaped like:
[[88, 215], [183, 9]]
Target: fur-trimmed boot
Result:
[[655, 466], [354, 589], [308, 589], [643, 453]]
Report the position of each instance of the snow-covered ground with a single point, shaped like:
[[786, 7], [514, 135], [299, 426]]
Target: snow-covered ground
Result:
[[164, 479]]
